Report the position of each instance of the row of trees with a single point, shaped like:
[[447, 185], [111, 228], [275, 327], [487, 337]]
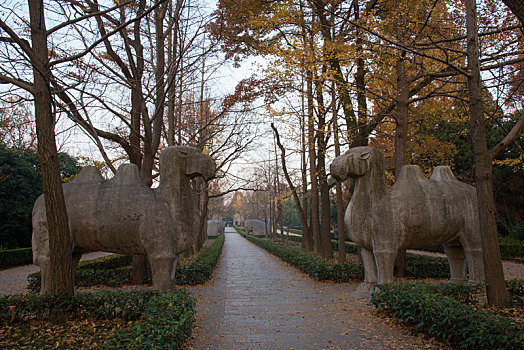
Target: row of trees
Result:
[[384, 73], [133, 76]]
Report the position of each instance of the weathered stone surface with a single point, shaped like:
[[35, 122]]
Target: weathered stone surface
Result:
[[123, 215], [255, 227], [414, 213], [215, 228]]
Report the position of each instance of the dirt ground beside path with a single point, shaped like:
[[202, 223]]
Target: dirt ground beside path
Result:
[[14, 280]]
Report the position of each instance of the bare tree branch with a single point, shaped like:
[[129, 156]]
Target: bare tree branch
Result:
[[495, 151]]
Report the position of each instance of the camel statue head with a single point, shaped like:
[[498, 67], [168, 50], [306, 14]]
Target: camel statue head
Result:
[[357, 162], [185, 161]]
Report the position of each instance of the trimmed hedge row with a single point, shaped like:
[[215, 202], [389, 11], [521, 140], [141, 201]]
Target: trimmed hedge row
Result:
[[441, 312], [516, 291], [200, 270], [15, 257], [507, 251], [115, 270], [418, 266], [511, 251], [157, 321], [317, 268]]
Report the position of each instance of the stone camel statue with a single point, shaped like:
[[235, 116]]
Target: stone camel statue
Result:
[[255, 227], [414, 213], [215, 228], [123, 215]]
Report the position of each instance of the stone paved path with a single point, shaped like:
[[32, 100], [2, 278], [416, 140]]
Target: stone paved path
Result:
[[256, 301], [14, 280]]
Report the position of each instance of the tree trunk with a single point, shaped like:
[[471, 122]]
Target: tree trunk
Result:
[[325, 205], [496, 288], [360, 82], [61, 275], [401, 139], [301, 212], [139, 269], [203, 201], [338, 188], [314, 217], [307, 239]]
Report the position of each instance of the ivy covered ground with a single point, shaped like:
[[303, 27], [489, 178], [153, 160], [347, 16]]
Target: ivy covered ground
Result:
[[136, 318]]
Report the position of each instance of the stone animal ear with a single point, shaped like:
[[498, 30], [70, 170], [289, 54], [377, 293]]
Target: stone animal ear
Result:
[[365, 155]]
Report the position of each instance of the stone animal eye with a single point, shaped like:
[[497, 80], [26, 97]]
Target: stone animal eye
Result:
[[365, 155]]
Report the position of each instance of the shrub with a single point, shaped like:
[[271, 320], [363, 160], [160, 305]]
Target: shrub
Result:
[[200, 269], [156, 321], [516, 291], [319, 269], [438, 311], [416, 265], [510, 248], [107, 262], [16, 257], [166, 323], [115, 270], [512, 251], [423, 266]]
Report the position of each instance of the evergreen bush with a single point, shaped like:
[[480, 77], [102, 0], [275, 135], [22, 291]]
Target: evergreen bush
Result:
[[155, 320], [115, 270], [447, 312], [15, 257]]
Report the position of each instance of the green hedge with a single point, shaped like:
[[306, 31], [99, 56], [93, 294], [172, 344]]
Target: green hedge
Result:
[[418, 266], [511, 251], [157, 321], [16, 257], [115, 270], [508, 251], [317, 268], [200, 270], [516, 291], [441, 312]]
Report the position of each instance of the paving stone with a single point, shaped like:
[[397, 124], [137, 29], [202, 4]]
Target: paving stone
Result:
[[256, 301]]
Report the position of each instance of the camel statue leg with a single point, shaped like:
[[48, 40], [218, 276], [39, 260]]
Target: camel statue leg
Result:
[[163, 269], [456, 260], [475, 264], [370, 270], [474, 258], [385, 259]]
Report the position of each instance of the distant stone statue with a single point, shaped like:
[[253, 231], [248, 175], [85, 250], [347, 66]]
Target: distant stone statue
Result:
[[123, 215], [215, 228], [238, 219], [414, 213], [255, 227]]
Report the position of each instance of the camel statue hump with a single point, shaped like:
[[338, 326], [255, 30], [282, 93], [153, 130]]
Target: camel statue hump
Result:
[[89, 174], [443, 173], [411, 173], [127, 174]]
